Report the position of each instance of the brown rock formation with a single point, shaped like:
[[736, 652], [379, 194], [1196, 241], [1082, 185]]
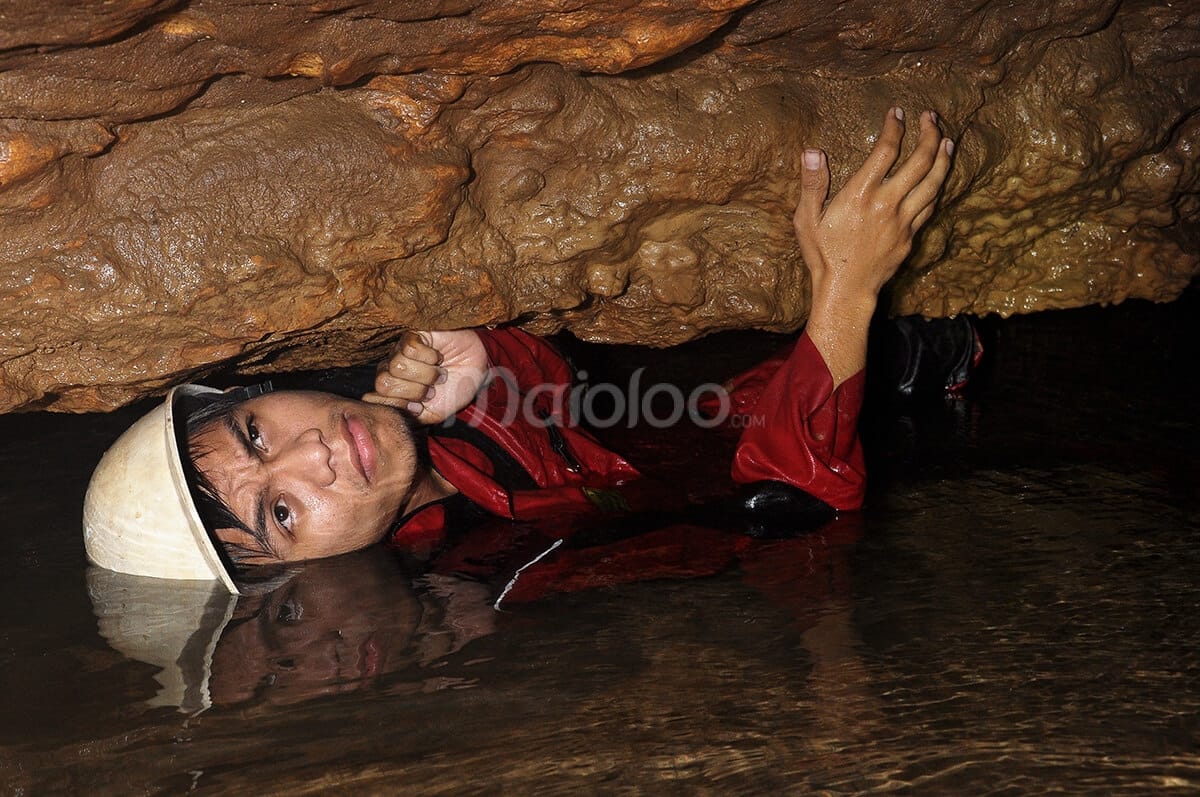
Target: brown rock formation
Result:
[[192, 184]]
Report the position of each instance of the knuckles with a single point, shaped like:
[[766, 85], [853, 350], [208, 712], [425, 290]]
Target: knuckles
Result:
[[883, 206]]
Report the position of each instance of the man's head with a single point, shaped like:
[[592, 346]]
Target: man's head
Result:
[[297, 475], [208, 480]]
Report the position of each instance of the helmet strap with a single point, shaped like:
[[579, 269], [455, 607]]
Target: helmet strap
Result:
[[252, 391]]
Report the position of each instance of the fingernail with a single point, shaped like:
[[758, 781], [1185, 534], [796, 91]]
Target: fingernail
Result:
[[933, 117], [898, 112], [414, 408], [812, 159], [441, 378], [429, 394], [949, 145]]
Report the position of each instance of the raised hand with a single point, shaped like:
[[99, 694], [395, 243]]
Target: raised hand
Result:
[[431, 375], [854, 244]]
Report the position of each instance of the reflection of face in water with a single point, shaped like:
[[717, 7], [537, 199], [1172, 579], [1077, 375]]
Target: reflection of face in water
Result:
[[337, 626]]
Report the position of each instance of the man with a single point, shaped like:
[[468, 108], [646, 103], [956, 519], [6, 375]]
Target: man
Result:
[[293, 476]]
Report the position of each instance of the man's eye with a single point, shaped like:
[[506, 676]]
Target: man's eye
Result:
[[283, 515], [252, 432]]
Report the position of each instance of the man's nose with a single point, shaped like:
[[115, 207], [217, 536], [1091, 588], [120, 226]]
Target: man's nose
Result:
[[308, 457]]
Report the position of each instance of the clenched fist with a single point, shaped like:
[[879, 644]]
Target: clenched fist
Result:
[[431, 375]]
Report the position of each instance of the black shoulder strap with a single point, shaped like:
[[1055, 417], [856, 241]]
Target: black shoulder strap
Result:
[[508, 471]]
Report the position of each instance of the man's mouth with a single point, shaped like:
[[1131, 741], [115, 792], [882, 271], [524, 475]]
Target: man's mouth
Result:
[[361, 447]]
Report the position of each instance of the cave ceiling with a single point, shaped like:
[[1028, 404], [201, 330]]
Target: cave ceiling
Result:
[[191, 186]]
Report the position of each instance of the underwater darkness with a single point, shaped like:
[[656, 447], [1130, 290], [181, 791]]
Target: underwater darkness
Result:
[[1014, 611]]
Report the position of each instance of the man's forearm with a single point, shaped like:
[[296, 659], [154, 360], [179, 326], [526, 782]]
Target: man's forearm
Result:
[[837, 326]]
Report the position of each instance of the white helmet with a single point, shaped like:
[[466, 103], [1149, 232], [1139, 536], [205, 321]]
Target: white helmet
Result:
[[138, 516]]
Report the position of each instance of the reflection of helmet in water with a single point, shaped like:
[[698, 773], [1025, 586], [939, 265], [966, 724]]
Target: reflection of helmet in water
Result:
[[139, 516], [174, 625]]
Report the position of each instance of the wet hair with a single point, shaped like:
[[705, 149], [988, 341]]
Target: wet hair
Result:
[[200, 413]]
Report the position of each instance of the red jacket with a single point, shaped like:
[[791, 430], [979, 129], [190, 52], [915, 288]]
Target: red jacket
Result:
[[529, 463], [531, 563]]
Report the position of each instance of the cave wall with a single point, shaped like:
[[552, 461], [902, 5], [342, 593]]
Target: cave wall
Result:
[[192, 185]]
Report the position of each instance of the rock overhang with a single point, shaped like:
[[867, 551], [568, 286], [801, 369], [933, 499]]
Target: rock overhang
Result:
[[186, 186]]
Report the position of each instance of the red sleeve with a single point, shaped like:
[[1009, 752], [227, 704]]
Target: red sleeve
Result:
[[801, 431], [524, 364], [532, 360]]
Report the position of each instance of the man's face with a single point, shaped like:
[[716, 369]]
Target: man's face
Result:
[[312, 474]]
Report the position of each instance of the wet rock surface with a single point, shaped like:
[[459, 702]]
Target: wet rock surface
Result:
[[193, 185]]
